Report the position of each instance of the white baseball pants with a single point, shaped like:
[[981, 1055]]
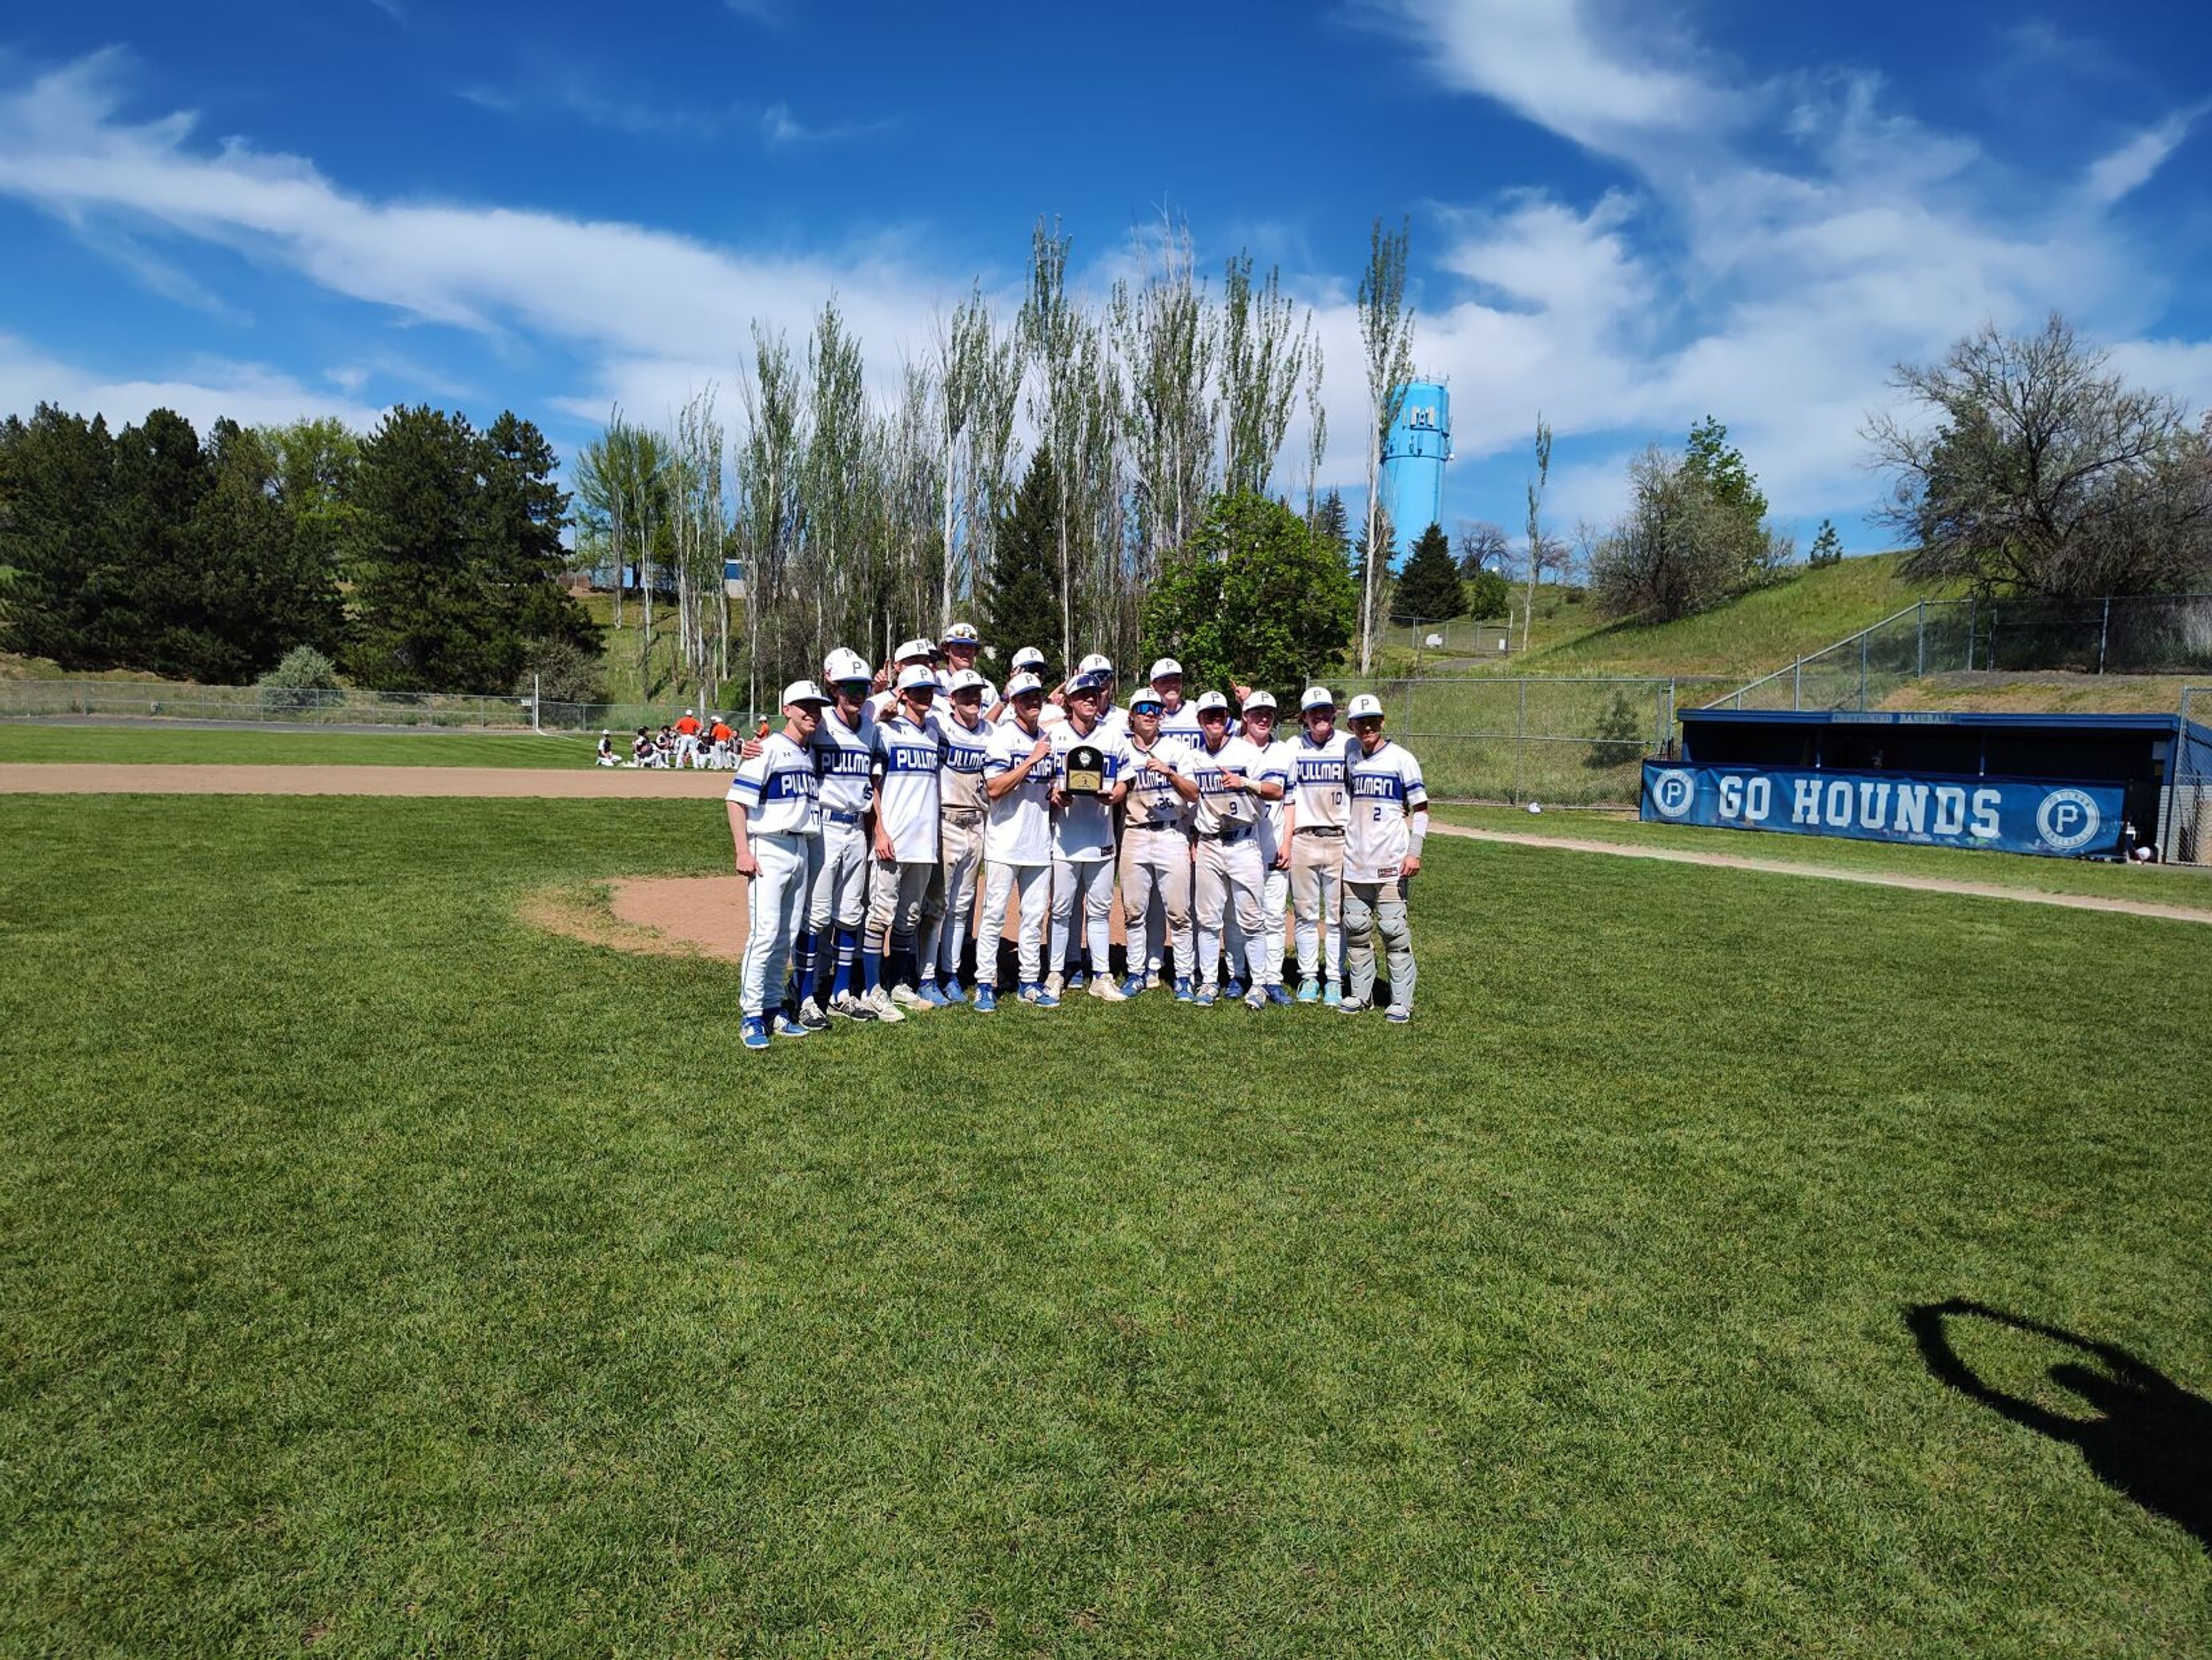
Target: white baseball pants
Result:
[[1156, 879], [1002, 881], [1228, 878], [1093, 881], [1373, 908], [774, 901], [960, 859], [840, 894], [1317, 892]]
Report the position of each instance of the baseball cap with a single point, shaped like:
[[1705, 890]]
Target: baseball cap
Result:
[[1210, 701], [1029, 657], [1163, 668], [1365, 704], [1260, 700], [1143, 698], [914, 674], [1087, 682], [969, 680], [1095, 664], [1022, 683], [842, 664], [804, 691], [1316, 697], [921, 649], [962, 634]]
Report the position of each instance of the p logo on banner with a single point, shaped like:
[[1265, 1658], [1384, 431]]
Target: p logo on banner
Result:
[[2067, 819], [1674, 792]]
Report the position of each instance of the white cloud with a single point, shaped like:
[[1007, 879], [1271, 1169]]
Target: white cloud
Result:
[[2123, 170], [249, 394]]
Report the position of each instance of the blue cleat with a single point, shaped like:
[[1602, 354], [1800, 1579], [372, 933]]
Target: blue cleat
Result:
[[1079, 980], [1331, 997], [1234, 989], [1397, 1017], [1132, 984], [753, 1032], [1279, 994], [1310, 991], [987, 1000], [1182, 991], [1043, 997], [787, 1027], [1205, 998], [930, 994]]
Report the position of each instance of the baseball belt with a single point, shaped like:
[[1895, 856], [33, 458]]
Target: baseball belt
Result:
[[1320, 830]]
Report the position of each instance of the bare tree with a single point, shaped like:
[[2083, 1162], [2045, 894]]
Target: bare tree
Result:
[[978, 371], [1537, 546], [769, 502], [1316, 430], [1263, 356], [839, 500], [1167, 340], [1386, 327]]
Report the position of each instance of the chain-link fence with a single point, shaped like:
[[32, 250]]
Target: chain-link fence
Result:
[[279, 706], [2145, 634], [2186, 823]]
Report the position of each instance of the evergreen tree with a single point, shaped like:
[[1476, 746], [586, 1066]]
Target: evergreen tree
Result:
[[1429, 588], [260, 588], [1827, 547], [149, 614], [57, 535], [523, 510], [422, 620], [1022, 597], [1332, 525]]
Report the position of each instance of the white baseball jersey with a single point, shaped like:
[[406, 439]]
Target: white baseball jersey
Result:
[[1276, 766], [846, 757], [1152, 802], [960, 784], [907, 757], [1386, 789], [1020, 828], [1318, 779], [1220, 808], [1083, 831], [1181, 723], [777, 789]]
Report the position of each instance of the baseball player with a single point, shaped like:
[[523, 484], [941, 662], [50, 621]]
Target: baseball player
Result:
[[1178, 719], [1155, 852], [687, 740], [1314, 818], [773, 819], [844, 751], [964, 735], [605, 757], [961, 645], [1082, 835], [1388, 820], [1028, 660], [1225, 771], [1276, 768], [903, 885], [911, 653], [1016, 844]]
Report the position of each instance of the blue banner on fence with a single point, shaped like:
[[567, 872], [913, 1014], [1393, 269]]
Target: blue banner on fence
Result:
[[2012, 815]]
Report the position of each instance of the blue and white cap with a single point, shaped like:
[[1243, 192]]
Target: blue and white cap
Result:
[[1090, 680], [1097, 662], [1029, 657], [804, 691], [1315, 697], [1365, 704], [1261, 700], [1210, 701], [1022, 683], [917, 674]]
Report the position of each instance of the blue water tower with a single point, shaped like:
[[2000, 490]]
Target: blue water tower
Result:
[[1413, 457]]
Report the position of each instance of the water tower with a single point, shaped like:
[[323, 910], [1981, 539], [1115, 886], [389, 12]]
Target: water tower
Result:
[[1413, 457]]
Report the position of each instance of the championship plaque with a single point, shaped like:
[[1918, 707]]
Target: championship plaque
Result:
[[1086, 771]]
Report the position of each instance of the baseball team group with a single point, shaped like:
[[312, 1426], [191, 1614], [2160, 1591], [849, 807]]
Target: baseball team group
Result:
[[868, 822]]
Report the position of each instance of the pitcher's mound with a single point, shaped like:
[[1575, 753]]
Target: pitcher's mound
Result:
[[665, 916]]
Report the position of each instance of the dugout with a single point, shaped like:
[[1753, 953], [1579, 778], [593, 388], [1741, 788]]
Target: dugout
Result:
[[2159, 766]]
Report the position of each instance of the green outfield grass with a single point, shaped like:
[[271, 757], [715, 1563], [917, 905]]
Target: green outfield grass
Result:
[[249, 746], [384, 1278], [2188, 885]]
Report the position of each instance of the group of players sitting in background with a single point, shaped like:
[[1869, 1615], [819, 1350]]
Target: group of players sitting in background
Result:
[[710, 745], [868, 824]]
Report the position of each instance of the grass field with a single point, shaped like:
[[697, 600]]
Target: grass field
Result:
[[248, 746], [2186, 885], [384, 1278]]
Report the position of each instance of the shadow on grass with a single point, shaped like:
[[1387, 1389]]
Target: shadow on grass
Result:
[[2152, 1440]]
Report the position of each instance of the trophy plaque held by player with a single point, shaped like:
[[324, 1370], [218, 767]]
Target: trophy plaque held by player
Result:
[[1086, 771]]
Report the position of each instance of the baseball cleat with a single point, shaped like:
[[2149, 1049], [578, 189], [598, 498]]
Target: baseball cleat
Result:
[[851, 1007], [1352, 1006], [1182, 991], [907, 997], [1134, 985], [1278, 994], [1046, 997], [935, 998], [1205, 998], [1331, 996], [787, 1027], [987, 1000], [811, 1017], [879, 1003], [1256, 999], [1106, 991], [1055, 983], [1310, 991], [1077, 980], [753, 1032], [1234, 989], [1398, 1017], [1152, 977]]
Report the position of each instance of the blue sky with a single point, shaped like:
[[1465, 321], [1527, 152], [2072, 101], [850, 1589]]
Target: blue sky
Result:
[[1622, 218]]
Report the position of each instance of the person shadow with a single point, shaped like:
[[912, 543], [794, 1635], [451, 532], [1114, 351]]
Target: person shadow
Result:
[[2150, 1439]]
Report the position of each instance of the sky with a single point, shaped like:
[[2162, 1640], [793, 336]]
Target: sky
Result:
[[1622, 218]]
